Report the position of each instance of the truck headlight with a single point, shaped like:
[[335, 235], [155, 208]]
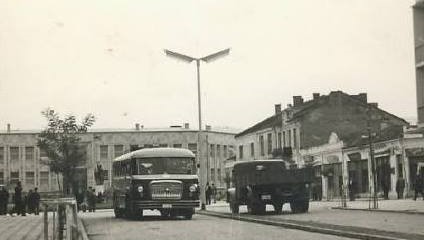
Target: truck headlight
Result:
[[140, 189]]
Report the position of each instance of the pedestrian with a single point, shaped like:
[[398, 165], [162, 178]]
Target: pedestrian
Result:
[[30, 202], [418, 186], [400, 186], [89, 199], [213, 192], [36, 199], [94, 199], [19, 205], [351, 187], [208, 194], [4, 199], [385, 186]]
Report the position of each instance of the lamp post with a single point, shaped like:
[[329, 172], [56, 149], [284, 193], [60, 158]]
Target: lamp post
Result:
[[202, 162]]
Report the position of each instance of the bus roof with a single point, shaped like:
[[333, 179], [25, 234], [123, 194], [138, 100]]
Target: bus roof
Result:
[[156, 152], [256, 162]]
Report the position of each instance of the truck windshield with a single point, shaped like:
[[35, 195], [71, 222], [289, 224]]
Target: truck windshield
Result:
[[165, 165]]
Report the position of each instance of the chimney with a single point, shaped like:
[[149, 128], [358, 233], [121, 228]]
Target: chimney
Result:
[[362, 97], [8, 128], [297, 100], [315, 96], [374, 104], [208, 127], [277, 109], [137, 126], [186, 125]]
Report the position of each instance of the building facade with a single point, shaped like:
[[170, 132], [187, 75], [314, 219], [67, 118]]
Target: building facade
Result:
[[21, 160], [418, 18], [329, 133]]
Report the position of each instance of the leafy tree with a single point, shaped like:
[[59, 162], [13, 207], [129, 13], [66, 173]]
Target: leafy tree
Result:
[[61, 142]]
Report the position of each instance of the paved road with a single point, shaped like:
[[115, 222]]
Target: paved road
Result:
[[103, 225], [21, 228]]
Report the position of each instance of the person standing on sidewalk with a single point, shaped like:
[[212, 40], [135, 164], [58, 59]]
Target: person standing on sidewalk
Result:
[[36, 199], [418, 186], [4, 199], [400, 186], [208, 194], [19, 206], [213, 192]]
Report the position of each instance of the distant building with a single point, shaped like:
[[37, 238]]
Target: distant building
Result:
[[418, 15], [21, 160], [319, 133]]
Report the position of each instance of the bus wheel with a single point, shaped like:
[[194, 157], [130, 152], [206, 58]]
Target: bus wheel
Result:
[[189, 214]]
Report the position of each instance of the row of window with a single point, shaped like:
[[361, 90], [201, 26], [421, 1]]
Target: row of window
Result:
[[215, 151], [287, 135], [14, 153], [29, 178]]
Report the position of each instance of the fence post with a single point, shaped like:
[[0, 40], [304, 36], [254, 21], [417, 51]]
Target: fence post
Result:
[[46, 223]]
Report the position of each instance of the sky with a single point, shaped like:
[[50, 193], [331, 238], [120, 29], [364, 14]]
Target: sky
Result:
[[107, 58]]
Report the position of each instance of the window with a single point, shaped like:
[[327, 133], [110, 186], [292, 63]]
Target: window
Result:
[[1, 177], [294, 139], [269, 139], [279, 140], [14, 153], [212, 150], [103, 152], [192, 147], [284, 138], [241, 152], [44, 178], [163, 145], [252, 149], [29, 153], [14, 178], [29, 178], [43, 153], [218, 151], [106, 174], [261, 142], [225, 152], [219, 175], [119, 150], [177, 145], [1, 156], [212, 174], [289, 143]]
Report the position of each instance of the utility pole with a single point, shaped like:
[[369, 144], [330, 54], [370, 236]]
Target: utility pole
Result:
[[202, 161], [374, 198]]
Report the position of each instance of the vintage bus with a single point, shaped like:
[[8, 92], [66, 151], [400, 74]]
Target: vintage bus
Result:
[[156, 178]]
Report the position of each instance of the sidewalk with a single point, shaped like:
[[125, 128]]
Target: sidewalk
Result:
[[389, 220], [398, 206], [20, 228]]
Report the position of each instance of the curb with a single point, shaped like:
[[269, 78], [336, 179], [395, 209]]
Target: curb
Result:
[[379, 210], [302, 227], [82, 231]]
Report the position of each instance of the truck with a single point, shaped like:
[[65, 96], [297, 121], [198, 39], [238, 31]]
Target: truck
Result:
[[260, 182]]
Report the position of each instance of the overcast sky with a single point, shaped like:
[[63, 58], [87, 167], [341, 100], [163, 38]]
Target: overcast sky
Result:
[[106, 57]]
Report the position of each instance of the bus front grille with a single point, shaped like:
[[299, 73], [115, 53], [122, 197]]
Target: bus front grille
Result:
[[166, 189]]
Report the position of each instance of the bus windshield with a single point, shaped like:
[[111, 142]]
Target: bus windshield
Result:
[[165, 165]]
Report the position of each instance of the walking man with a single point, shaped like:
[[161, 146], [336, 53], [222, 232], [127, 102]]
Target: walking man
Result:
[[213, 192], [400, 186], [30, 202], [4, 199]]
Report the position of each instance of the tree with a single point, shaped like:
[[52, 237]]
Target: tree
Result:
[[60, 140]]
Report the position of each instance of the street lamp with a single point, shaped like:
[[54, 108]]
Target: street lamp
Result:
[[207, 59]]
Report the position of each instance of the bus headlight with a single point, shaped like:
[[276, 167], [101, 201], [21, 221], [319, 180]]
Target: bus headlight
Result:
[[193, 188], [140, 189]]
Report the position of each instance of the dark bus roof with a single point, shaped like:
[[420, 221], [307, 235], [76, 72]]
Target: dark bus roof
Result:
[[247, 164], [157, 152]]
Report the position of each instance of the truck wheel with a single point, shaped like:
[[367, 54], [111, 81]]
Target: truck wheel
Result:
[[278, 207], [299, 206], [118, 212], [234, 207], [256, 208]]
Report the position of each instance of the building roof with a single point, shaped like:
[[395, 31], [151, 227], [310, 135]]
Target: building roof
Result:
[[129, 130], [270, 122], [313, 103], [157, 152]]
